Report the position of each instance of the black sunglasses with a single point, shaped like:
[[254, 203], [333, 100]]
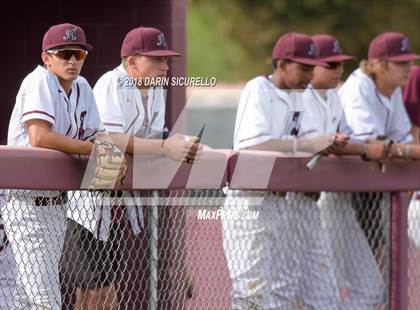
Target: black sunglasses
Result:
[[334, 65], [66, 54]]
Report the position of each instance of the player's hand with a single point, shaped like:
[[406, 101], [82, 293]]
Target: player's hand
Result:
[[339, 142], [179, 147], [196, 150], [376, 151]]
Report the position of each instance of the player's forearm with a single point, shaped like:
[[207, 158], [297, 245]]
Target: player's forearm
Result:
[[55, 141], [408, 151], [297, 145], [134, 145], [274, 145], [144, 146], [351, 149], [415, 132]]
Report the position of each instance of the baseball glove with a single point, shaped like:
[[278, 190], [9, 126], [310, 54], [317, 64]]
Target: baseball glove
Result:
[[111, 166]]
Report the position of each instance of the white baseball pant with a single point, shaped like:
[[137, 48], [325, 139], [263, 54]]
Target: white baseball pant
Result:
[[36, 235], [8, 271], [355, 266], [279, 260], [414, 219], [8, 274]]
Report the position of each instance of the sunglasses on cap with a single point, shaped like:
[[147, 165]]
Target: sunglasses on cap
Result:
[[66, 54], [334, 65]]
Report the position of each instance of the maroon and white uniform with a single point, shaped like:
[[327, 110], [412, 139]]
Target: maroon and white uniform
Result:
[[123, 110], [75, 115]]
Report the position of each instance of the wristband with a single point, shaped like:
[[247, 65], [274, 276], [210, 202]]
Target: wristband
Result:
[[399, 152], [407, 151], [365, 153], [388, 144]]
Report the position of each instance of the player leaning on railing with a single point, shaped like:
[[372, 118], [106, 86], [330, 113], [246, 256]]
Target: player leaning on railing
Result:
[[412, 103], [94, 262], [374, 109], [356, 274], [372, 96], [284, 253], [276, 262], [55, 109]]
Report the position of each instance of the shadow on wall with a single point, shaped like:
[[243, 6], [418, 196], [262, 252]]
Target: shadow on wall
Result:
[[216, 107]]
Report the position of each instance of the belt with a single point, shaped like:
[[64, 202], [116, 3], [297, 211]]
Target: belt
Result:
[[311, 195], [47, 201], [279, 194]]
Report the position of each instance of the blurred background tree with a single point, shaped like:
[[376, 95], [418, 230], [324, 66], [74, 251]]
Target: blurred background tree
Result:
[[232, 39]]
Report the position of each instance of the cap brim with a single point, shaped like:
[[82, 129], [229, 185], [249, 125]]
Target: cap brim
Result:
[[404, 57], [161, 53], [309, 61], [337, 58], [85, 46]]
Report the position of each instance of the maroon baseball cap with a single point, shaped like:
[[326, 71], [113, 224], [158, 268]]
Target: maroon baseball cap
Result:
[[146, 41], [391, 46], [64, 34], [329, 49], [297, 47]]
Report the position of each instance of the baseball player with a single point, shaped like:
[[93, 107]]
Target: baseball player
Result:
[[54, 109], [374, 108], [358, 277], [412, 103], [412, 100], [7, 266], [137, 110], [280, 258]]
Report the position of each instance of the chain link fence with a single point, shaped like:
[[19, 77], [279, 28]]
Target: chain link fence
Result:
[[200, 249]]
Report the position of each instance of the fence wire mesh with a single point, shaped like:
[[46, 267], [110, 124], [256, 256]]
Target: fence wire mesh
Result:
[[200, 249], [414, 252]]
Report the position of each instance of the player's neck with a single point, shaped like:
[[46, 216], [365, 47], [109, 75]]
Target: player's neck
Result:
[[384, 87], [320, 89], [66, 84], [322, 93], [278, 81], [144, 91]]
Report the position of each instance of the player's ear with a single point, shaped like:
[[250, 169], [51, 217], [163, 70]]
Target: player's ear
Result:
[[384, 64], [45, 59], [131, 61], [282, 63], [377, 65], [374, 66]]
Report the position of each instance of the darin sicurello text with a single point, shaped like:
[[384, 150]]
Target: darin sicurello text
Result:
[[175, 81]]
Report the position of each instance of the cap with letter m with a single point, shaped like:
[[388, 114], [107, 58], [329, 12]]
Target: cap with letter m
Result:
[[329, 49], [64, 34], [146, 41], [391, 46], [297, 47]]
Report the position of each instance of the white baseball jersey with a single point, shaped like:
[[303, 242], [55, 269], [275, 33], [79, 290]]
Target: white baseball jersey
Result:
[[42, 97], [75, 115], [370, 114], [323, 115], [266, 112], [282, 252], [123, 110]]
